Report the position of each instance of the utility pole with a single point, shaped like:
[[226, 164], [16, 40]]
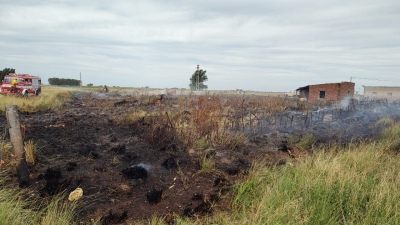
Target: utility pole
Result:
[[80, 79], [198, 78]]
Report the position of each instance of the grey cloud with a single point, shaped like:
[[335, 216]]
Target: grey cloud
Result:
[[271, 45]]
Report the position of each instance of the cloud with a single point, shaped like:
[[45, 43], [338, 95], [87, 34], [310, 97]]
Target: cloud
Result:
[[252, 45]]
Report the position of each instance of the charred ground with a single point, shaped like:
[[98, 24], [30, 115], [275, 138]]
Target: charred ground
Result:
[[125, 177]]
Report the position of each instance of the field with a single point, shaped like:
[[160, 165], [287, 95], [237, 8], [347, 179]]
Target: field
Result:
[[193, 158]]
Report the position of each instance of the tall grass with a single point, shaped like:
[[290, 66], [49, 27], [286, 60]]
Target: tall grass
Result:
[[58, 212], [13, 210], [358, 184], [49, 98], [18, 209], [353, 185]]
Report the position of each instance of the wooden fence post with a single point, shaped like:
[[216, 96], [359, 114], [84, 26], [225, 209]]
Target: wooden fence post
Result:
[[18, 144]]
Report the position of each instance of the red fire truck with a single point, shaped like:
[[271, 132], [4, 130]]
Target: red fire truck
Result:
[[27, 84]]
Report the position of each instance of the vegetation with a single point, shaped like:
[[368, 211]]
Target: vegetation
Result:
[[4, 72], [357, 184], [197, 80], [15, 209], [205, 125], [49, 98], [63, 81], [307, 142], [30, 152], [352, 184]]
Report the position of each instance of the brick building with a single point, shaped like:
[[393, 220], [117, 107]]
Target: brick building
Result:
[[382, 92], [326, 92]]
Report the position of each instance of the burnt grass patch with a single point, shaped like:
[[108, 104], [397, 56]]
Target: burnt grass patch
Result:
[[170, 163], [154, 196], [114, 218], [135, 172], [117, 165], [54, 182]]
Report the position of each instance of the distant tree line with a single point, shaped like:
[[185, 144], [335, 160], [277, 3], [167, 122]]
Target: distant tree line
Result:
[[63, 81], [4, 72]]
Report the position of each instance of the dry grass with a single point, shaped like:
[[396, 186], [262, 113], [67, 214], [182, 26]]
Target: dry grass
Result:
[[5, 152], [131, 118], [49, 98], [215, 120], [357, 184], [385, 122], [30, 152]]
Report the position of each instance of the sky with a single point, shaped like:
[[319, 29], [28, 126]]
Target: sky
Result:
[[259, 45]]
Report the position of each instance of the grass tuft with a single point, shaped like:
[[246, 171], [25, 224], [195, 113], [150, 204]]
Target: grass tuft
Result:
[[307, 142], [30, 152]]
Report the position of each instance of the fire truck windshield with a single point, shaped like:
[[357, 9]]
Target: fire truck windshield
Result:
[[8, 79]]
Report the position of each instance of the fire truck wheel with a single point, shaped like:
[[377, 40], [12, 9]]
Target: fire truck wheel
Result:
[[36, 92], [24, 92]]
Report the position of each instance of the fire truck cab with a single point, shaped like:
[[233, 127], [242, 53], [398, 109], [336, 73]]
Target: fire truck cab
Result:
[[27, 84]]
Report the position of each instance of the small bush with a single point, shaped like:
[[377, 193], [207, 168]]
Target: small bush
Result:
[[201, 144], [307, 142], [384, 122], [391, 133]]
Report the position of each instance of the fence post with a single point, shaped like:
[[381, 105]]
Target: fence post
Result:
[[18, 144]]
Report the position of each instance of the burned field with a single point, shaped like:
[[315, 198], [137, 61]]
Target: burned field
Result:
[[135, 157]]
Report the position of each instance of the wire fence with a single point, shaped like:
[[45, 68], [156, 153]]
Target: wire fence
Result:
[[260, 121]]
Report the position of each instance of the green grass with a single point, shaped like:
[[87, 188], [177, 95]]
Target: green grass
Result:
[[12, 209], [58, 211], [307, 142], [358, 184], [17, 209]]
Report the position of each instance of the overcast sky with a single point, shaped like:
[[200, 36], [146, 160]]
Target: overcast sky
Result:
[[260, 45]]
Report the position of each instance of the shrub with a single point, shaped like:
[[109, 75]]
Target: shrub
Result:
[[307, 141]]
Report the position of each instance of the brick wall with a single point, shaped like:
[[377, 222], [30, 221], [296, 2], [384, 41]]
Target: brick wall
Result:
[[333, 91]]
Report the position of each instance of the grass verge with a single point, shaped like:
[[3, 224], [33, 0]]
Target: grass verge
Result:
[[357, 184], [49, 98]]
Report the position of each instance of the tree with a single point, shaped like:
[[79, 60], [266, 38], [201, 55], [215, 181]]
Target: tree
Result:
[[197, 80], [63, 81], [4, 72]]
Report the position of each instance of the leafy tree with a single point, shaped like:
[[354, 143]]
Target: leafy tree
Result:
[[63, 81], [197, 80], [4, 72]]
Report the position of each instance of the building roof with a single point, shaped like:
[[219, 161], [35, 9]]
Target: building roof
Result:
[[308, 86], [303, 88], [381, 86]]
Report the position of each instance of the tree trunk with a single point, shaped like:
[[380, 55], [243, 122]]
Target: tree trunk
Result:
[[18, 144]]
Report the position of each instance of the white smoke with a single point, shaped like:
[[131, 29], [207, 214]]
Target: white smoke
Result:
[[345, 103]]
